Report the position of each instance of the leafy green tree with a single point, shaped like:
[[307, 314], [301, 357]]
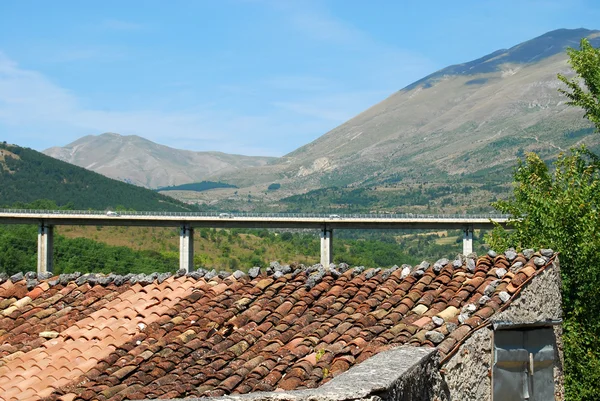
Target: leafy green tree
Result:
[[559, 208], [586, 63]]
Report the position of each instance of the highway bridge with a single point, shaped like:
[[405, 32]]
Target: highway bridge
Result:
[[187, 221]]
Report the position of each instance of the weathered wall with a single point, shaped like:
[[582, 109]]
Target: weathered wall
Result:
[[540, 300], [468, 372], [422, 382], [400, 374]]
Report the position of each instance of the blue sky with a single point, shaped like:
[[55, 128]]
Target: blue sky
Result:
[[254, 77]]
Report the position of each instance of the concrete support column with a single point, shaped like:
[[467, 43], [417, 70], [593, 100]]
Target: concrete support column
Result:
[[326, 246], [45, 248], [467, 240], [186, 247]]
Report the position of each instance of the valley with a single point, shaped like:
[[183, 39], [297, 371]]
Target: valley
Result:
[[391, 197], [464, 126], [448, 143], [207, 200]]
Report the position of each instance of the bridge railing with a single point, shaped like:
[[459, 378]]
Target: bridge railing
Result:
[[225, 215]]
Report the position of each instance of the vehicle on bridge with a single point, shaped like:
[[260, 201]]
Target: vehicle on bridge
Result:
[[113, 214]]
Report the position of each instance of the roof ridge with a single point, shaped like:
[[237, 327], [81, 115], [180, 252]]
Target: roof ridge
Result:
[[275, 270]]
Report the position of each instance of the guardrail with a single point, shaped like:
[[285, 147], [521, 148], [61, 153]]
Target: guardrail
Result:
[[491, 216]]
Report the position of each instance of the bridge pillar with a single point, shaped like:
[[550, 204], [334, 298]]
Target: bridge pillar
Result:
[[467, 240], [186, 247], [45, 248], [326, 246]]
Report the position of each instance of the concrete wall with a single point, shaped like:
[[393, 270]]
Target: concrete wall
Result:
[[468, 373], [423, 382]]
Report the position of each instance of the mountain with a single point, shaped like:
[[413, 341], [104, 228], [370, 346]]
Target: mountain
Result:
[[27, 176], [466, 122], [142, 162]]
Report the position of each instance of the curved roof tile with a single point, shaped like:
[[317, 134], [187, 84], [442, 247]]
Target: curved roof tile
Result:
[[192, 337]]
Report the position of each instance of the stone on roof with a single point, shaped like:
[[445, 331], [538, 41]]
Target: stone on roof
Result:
[[83, 337]]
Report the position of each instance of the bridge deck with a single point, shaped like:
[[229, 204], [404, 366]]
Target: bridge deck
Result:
[[253, 220], [46, 219]]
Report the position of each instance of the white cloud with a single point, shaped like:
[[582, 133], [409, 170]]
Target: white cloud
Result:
[[28, 98], [290, 110], [27, 94], [313, 20], [36, 112]]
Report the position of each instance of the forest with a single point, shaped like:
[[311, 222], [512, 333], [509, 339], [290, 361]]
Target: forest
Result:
[[398, 197], [27, 176]]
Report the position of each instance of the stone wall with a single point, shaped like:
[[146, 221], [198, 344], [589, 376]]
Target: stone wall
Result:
[[400, 374], [422, 382], [468, 372]]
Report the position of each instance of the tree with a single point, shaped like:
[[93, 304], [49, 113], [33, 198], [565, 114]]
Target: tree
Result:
[[586, 64], [559, 208]]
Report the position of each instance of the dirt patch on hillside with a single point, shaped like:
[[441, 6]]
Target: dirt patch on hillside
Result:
[[3, 155]]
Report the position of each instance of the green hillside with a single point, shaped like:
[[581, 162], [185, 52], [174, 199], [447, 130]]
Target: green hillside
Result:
[[27, 175]]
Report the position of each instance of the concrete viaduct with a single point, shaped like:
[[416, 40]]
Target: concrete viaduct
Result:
[[47, 219]]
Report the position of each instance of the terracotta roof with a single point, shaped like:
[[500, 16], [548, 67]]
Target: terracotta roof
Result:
[[156, 336]]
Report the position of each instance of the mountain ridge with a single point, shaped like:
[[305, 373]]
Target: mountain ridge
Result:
[[458, 121], [147, 163], [469, 121], [543, 46]]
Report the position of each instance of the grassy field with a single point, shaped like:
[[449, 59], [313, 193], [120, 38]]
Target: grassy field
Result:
[[230, 250], [225, 249], [444, 237]]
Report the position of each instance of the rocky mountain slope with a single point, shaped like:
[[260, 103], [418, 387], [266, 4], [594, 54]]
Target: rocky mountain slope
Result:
[[467, 123], [142, 162], [467, 120]]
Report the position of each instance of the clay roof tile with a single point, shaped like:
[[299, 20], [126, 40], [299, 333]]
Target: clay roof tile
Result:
[[192, 337]]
